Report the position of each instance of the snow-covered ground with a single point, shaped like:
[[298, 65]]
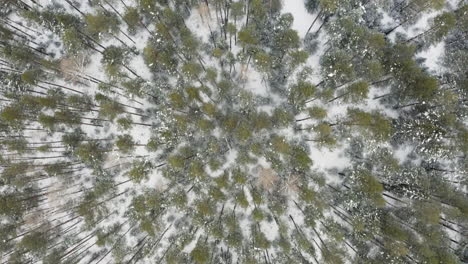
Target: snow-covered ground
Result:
[[325, 161]]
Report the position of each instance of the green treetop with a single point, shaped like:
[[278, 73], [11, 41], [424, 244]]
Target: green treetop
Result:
[[374, 123], [102, 22], [139, 170], [125, 143]]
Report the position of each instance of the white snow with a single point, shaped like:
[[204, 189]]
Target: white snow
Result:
[[326, 161], [302, 18]]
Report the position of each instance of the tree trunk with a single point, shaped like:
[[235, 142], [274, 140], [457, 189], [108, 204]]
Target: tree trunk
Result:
[[318, 15], [248, 13], [339, 96]]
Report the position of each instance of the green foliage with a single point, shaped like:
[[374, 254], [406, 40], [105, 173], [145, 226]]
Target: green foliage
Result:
[[73, 139], [329, 6], [287, 39], [369, 186], [261, 121], [223, 180], [356, 92], [374, 70], [337, 67], [189, 41], [443, 23], [18, 54], [191, 70], [177, 100], [135, 87], [125, 123], [234, 238], [177, 162], [5, 33], [237, 10], [180, 199], [31, 76], [243, 131], [280, 145], [239, 177], [193, 93], [206, 125], [374, 123], [13, 115], [147, 5], [216, 194], [47, 121], [258, 215], [83, 102], [260, 240], [317, 112], [197, 170], [91, 152], [67, 117], [113, 57], [423, 87], [209, 109], [13, 174], [263, 61], [390, 227], [72, 40], [125, 143], [247, 37], [200, 254], [56, 169], [241, 199], [418, 85], [157, 58], [205, 208], [20, 145], [298, 57], [35, 242], [225, 153], [102, 23], [110, 109], [282, 118], [139, 170], [307, 194], [300, 159], [132, 18], [301, 92]]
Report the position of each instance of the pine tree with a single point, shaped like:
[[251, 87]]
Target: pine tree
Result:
[[133, 20], [113, 58], [35, 242], [440, 27], [125, 143], [139, 170], [374, 123], [102, 22], [354, 93], [301, 92]]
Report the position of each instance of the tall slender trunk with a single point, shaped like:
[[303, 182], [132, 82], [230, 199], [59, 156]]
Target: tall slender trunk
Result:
[[318, 15], [115, 244], [76, 8], [339, 96], [388, 32], [123, 19], [248, 13], [421, 34], [325, 21]]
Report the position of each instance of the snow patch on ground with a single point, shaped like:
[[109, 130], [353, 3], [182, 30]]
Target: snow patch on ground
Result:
[[402, 153], [302, 18]]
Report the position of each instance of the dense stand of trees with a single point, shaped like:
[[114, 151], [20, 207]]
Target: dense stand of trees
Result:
[[128, 136]]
